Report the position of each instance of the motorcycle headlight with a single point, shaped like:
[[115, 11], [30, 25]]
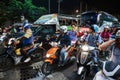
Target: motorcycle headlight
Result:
[[85, 48], [47, 55], [84, 53]]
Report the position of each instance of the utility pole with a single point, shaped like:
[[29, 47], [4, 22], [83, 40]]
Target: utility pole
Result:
[[58, 6], [81, 3], [86, 7], [49, 6]]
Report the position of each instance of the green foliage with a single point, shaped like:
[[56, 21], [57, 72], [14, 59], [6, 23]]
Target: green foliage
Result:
[[14, 9], [3, 13]]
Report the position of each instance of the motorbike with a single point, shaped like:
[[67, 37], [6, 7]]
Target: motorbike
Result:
[[52, 58], [85, 60], [106, 73], [11, 57]]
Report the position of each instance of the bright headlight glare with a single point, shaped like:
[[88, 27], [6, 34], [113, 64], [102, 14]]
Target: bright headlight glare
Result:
[[47, 55]]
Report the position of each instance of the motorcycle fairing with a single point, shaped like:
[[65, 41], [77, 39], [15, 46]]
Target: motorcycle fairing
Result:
[[80, 69], [52, 52], [49, 60], [108, 72]]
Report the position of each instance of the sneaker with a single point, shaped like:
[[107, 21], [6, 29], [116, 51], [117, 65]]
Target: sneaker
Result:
[[28, 59]]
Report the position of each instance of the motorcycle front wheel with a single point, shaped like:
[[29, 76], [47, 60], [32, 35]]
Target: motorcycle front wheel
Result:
[[46, 68], [6, 63]]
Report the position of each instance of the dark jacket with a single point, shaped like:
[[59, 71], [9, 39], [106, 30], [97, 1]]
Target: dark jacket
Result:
[[64, 39]]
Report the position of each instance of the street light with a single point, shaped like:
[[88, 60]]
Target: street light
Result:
[[81, 6], [76, 10]]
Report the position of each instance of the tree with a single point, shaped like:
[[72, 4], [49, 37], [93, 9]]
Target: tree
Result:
[[14, 9], [31, 11], [3, 13]]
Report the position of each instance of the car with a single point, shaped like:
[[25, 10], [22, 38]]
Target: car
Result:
[[41, 31]]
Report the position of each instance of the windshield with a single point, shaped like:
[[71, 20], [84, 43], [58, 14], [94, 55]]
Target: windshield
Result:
[[89, 18], [44, 30]]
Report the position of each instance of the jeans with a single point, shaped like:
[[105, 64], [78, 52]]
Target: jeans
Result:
[[95, 58], [63, 55]]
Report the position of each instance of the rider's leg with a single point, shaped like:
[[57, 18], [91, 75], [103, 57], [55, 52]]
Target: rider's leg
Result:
[[95, 58], [62, 55]]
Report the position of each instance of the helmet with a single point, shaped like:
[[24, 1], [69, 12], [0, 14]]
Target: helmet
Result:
[[63, 29], [106, 26], [117, 34], [92, 28]]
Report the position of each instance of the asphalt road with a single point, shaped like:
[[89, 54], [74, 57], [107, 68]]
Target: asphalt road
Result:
[[33, 72]]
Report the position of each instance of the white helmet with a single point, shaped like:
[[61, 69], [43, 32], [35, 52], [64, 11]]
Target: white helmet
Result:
[[118, 34], [63, 29], [106, 27]]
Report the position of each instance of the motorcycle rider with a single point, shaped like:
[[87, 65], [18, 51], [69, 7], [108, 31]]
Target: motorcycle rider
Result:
[[65, 42], [25, 42], [114, 47], [94, 39], [105, 34], [73, 34]]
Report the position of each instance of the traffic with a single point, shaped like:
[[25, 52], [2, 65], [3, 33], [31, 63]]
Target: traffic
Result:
[[91, 42]]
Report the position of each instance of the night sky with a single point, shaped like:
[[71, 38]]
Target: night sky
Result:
[[69, 6]]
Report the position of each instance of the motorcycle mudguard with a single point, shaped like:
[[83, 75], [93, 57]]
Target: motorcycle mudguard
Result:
[[49, 60], [80, 69]]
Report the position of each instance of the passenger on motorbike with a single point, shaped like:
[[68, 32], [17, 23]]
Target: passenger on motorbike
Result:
[[73, 34], [65, 42], [94, 39], [114, 60], [25, 43]]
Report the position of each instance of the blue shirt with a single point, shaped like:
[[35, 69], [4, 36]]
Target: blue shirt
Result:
[[72, 35], [93, 39], [28, 41]]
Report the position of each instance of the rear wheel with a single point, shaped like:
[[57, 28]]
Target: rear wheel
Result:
[[6, 63], [46, 68]]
